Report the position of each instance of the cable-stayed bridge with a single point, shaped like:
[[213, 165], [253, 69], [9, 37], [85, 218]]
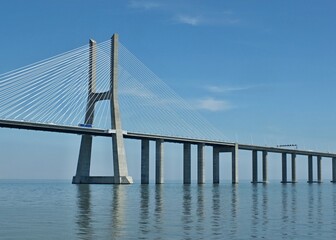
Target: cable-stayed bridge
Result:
[[104, 90]]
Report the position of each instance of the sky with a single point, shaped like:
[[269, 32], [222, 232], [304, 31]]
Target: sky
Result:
[[263, 72]]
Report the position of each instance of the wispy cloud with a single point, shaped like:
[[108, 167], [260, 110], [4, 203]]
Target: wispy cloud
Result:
[[214, 105], [144, 4], [188, 12], [194, 21], [225, 89], [221, 18]]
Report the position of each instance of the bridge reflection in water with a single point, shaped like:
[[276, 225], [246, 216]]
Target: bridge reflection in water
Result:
[[174, 211]]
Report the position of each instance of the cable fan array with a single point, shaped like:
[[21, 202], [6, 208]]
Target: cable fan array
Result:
[[149, 105], [55, 91]]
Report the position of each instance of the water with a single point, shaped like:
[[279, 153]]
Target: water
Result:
[[60, 210]]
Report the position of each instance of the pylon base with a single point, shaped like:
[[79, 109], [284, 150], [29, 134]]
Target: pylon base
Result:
[[102, 180]]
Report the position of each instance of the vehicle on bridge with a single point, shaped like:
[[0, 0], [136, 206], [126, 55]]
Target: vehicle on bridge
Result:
[[86, 125]]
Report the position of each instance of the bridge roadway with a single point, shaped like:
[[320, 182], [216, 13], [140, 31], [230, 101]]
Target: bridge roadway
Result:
[[49, 127], [218, 146]]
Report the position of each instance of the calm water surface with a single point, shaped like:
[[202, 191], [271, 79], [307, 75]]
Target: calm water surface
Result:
[[60, 210]]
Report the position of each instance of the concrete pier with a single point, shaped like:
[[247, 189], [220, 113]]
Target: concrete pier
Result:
[[264, 169], [234, 164], [144, 161], [215, 165], [200, 163], [118, 148], [254, 166], [319, 169], [333, 173], [159, 161], [293, 168], [255, 177], [186, 163], [284, 168], [84, 158], [310, 169]]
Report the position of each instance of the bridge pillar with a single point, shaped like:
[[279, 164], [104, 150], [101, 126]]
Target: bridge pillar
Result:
[[200, 163], [293, 168], [333, 180], [84, 158], [215, 165], [254, 166], [159, 162], [186, 163], [84, 161], [235, 164], [319, 169], [284, 168], [264, 169], [144, 161], [119, 156], [310, 169]]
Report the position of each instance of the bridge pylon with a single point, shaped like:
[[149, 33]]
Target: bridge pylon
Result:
[[119, 156]]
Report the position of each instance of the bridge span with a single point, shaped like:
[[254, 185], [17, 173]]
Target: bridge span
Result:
[[217, 146]]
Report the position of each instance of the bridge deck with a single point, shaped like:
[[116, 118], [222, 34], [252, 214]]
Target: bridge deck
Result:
[[49, 127], [131, 135]]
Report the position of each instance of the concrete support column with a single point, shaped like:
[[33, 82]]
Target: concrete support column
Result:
[[284, 168], [264, 169], [118, 148], [254, 166], [215, 165], [293, 167], [186, 163], [200, 163], [333, 170], [235, 164], [159, 162], [319, 169], [144, 161], [310, 169], [84, 160]]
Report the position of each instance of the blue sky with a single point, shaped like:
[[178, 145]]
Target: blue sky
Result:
[[263, 72]]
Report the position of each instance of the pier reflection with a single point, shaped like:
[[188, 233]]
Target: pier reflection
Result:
[[255, 211], [187, 218], [234, 211], [143, 222], [293, 209], [118, 211], [84, 212], [265, 208], [158, 211], [216, 223], [150, 221], [285, 232], [259, 211], [200, 213]]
